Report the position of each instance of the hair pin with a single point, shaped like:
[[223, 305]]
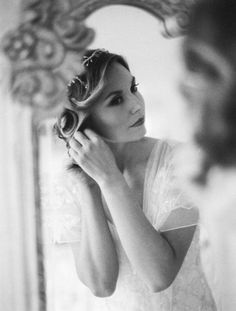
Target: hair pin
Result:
[[94, 55], [85, 85]]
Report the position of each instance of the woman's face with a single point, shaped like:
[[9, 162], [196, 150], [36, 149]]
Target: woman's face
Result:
[[119, 112]]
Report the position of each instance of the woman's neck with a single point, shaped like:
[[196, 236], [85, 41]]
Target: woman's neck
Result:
[[121, 153], [126, 153]]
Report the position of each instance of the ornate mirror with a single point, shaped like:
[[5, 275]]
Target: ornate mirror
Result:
[[41, 53]]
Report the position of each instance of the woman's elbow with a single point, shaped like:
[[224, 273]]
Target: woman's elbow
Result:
[[161, 283], [103, 290], [98, 285], [156, 287]]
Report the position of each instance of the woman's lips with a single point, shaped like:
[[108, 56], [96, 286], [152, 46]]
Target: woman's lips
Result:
[[139, 122]]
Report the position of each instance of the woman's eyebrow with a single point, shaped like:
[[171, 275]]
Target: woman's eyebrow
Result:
[[119, 92]]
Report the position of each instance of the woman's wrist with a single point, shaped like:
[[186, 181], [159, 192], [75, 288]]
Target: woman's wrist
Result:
[[111, 181]]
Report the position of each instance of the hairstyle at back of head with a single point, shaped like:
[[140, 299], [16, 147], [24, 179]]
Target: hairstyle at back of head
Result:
[[83, 91], [87, 85], [214, 21]]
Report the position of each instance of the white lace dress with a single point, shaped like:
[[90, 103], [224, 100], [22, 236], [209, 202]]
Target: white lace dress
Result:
[[162, 201]]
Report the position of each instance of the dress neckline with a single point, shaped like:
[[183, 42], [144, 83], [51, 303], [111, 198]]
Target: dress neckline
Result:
[[153, 164], [147, 173], [146, 177]]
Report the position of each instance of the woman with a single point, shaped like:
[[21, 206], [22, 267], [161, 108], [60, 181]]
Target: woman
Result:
[[137, 245], [209, 85]]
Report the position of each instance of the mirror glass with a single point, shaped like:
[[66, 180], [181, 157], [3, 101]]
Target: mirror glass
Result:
[[155, 61]]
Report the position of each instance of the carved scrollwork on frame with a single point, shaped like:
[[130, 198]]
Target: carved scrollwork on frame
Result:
[[48, 44], [43, 51]]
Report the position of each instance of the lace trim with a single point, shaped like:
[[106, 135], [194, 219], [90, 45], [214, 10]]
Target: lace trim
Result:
[[162, 194], [179, 227]]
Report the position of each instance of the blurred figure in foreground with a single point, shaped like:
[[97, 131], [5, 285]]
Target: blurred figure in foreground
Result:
[[209, 86]]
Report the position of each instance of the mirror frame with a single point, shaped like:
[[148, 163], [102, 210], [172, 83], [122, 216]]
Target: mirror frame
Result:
[[42, 51]]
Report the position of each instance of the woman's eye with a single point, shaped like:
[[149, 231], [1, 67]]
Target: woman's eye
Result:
[[116, 101], [134, 87]]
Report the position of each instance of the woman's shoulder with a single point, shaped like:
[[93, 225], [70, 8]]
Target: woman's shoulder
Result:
[[165, 147], [171, 143], [153, 151]]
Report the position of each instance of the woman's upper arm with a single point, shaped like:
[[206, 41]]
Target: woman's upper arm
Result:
[[179, 229], [177, 214], [179, 240]]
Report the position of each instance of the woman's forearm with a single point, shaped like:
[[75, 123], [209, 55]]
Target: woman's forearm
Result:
[[149, 253], [95, 255]]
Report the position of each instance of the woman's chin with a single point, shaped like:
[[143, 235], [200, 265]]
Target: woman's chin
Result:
[[140, 133]]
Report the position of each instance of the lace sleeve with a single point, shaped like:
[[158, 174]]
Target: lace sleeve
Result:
[[175, 208], [61, 217]]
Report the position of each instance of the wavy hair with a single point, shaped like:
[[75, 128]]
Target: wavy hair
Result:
[[84, 89]]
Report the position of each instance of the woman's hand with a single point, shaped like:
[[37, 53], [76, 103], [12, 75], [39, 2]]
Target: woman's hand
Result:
[[93, 155], [79, 177]]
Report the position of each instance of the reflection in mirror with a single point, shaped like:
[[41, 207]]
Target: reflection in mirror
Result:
[[155, 63], [154, 60]]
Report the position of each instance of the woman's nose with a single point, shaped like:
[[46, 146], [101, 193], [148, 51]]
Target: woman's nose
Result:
[[134, 105]]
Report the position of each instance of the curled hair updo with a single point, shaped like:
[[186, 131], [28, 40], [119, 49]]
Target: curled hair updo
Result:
[[86, 86], [84, 90]]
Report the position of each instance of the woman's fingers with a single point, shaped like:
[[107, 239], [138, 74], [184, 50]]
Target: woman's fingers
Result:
[[74, 144], [74, 155], [81, 138], [79, 155], [84, 140], [91, 135]]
